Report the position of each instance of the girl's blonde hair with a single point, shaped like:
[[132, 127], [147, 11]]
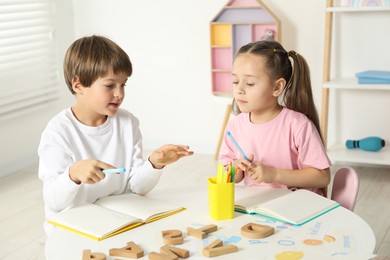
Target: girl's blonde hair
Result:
[[297, 94], [89, 58]]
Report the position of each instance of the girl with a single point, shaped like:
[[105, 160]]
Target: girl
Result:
[[282, 139]]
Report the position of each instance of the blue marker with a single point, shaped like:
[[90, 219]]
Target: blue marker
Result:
[[118, 170], [237, 146]]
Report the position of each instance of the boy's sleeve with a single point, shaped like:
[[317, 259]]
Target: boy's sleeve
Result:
[[58, 189], [143, 177]]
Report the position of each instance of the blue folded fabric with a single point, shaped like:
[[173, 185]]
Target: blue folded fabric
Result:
[[373, 77], [373, 81]]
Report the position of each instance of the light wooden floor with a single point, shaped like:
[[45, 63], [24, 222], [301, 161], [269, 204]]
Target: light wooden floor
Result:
[[21, 206]]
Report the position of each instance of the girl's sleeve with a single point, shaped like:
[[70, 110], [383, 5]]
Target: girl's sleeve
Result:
[[311, 151]]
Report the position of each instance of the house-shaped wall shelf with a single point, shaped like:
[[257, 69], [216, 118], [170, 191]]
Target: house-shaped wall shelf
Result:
[[238, 23]]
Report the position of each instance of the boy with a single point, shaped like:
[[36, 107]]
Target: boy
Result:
[[95, 134]]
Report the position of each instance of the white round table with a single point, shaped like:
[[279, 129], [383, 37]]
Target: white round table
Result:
[[338, 234]]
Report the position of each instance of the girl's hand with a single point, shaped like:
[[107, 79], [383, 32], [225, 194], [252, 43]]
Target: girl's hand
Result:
[[260, 172], [88, 171], [167, 154], [242, 166]]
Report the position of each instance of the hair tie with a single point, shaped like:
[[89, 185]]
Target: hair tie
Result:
[[291, 53]]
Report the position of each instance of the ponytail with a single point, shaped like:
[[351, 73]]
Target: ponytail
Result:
[[298, 94]]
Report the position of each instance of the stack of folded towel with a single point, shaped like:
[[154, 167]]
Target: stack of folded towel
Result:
[[373, 77]]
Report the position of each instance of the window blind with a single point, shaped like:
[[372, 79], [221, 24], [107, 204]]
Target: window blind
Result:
[[28, 69]]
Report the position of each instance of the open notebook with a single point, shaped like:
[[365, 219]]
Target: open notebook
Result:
[[112, 215], [293, 207]]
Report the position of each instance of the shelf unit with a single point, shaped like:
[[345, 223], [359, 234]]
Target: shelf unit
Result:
[[338, 84], [238, 23], [350, 83]]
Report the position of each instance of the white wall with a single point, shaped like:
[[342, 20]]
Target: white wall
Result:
[[168, 43], [170, 91], [20, 135]]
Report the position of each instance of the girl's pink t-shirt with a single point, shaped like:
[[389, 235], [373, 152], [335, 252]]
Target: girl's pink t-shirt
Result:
[[289, 141]]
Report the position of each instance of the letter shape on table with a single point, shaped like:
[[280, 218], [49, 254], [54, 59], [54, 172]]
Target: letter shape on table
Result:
[[87, 255], [253, 230], [132, 250], [217, 248], [172, 237], [169, 253], [202, 232]]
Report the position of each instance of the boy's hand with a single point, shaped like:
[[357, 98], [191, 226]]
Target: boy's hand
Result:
[[167, 154], [88, 171]]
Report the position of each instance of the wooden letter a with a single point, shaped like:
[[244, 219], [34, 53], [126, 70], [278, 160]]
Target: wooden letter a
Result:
[[132, 250]]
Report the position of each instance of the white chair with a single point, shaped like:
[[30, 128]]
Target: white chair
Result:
[[345, 187]]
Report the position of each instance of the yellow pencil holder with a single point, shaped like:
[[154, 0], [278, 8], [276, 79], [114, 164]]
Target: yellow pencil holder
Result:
[[221, 199]]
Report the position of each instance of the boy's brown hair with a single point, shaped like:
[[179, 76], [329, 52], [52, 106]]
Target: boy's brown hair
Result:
[[91, 57]]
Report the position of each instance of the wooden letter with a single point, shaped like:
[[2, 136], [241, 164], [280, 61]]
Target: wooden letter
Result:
[[217, 248], [172, 237], [253, 230], [180, 252], [160, 256], [87, 255], [169, 253], [132, 250], [202, 232]]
